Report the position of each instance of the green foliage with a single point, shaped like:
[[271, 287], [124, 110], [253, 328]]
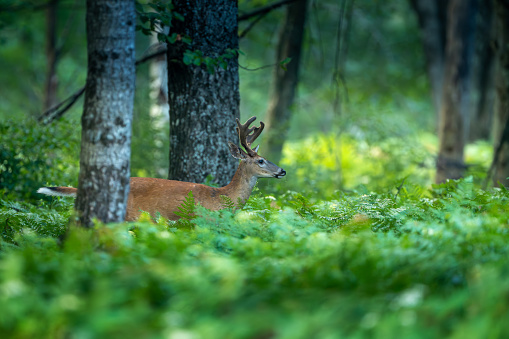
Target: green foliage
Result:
[[32, 156], [415, 263], [18, 219], [197, 58], [227, 202], [154, 16], [186, 211]]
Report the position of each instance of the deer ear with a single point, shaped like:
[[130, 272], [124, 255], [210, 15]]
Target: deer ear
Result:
[[256, 148], [236, 151]]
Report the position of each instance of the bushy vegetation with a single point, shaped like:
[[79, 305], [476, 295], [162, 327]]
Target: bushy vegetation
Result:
[[32, 155], [420, 263], [354, 242]]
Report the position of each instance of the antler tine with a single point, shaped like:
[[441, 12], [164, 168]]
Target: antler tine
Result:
[[248, 135]]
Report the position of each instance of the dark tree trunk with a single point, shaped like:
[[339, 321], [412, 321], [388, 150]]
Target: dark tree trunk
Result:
[[285, 81], [501, 160], [454, 110], [203, 106], [51, 55], [107, 117], [483, 91], [432, 18]]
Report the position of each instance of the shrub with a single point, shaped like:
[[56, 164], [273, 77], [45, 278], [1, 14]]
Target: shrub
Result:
[[32, 156]]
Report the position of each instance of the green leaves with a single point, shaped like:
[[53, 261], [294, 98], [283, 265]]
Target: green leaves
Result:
[[154, 16], [313, 266], [197, 58], [186, 211], [285, 62]]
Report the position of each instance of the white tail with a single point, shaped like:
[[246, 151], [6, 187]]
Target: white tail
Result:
[[165, 196]]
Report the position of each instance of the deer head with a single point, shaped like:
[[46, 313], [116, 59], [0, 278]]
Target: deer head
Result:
[[258, 166]]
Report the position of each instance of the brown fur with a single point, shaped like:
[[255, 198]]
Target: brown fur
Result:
[[166, 196]]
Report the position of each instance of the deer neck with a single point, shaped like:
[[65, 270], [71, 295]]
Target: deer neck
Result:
[[242, 184]]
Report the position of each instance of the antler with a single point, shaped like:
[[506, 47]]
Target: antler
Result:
[[248, 135]]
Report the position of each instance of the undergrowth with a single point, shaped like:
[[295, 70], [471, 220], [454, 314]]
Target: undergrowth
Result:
[[413, 262]]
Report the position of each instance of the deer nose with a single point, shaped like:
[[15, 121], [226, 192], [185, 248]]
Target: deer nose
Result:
[[282, 173]]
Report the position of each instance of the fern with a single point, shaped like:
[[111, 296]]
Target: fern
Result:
[[186, 211], [227, 203]]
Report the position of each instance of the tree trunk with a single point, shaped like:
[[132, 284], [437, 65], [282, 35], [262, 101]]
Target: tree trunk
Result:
[[483, 92], [454, 113], [203, 106], [106, 122], [285, 81], [501, 160], [51, 55], [432, 18], [158, 73]]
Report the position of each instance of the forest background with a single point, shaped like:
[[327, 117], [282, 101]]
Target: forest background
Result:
[[356, 222]]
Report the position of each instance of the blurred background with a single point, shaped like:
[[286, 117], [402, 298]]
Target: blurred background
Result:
[[363, 117]]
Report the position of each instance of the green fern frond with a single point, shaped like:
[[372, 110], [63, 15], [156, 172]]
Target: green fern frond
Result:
[[186, 211], [227, 202]]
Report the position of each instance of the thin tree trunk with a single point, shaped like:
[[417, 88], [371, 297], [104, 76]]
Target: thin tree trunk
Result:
[[501, 161], [158, 73], [203, 106], [285, 81], [454, 110], [432, 18], [483, 92], [51, 55], [106, 122]]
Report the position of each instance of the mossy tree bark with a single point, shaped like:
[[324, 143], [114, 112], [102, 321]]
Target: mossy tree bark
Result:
[[285, 81], [203, 105], [454, 109], [107, 117]]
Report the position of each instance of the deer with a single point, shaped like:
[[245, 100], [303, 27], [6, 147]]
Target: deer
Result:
[[165, 196]]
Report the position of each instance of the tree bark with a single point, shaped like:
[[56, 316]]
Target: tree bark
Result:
[[158, 74], [483, 91], [501, 157], [107, 118], [51, 55], [454, 110], [203, 106], [285, 81], [432, 18]]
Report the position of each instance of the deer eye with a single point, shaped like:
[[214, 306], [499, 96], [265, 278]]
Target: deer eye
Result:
[[260, 161]]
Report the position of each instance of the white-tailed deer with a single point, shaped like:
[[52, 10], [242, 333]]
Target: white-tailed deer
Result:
[[165, 196]]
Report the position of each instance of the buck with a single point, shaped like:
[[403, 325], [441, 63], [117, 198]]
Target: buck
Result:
[[165, 196]]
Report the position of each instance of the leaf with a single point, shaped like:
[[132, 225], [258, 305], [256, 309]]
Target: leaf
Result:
[[178, 16], [283, 63], [172, 38]]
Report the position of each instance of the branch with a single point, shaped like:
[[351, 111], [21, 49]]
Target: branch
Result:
[[264, 10], [251, 25], [58, 110], [503, 139], [161, 51]]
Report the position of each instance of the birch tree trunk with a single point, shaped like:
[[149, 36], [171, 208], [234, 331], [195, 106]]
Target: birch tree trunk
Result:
[[454, 110], [501, 161], [285, 81], [203, 105], [107, 117]]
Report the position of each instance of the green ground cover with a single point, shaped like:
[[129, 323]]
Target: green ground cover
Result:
[[421, 263]]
